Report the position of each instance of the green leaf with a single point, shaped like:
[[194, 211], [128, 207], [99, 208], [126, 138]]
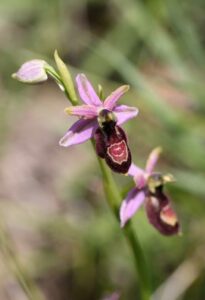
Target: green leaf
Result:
[[66, 79]]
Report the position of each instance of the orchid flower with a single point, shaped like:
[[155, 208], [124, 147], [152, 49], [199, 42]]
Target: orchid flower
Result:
[[149, 190], [100, 120]]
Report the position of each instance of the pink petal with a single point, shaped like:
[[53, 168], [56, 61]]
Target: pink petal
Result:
[[140, 180], [86, 111], [111, 100], [80, 131], [124, 113], [134, 170], [138, 174], [130, 205], [152, 160], [86, 91]]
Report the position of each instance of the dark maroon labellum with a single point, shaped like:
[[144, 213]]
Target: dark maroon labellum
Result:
[[160, 213], [111, 144]]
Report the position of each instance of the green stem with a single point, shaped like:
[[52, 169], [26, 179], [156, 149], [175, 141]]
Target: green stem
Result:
[[110, 188], [114, 199], [140, 262]]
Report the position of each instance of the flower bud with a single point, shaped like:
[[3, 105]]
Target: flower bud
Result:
[[32, 71]]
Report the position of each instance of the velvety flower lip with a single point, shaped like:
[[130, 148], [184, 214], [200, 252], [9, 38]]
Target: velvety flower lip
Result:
[[84, 129], [149, 189]]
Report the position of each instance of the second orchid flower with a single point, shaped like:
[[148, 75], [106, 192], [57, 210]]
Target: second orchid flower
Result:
[[149, 190]]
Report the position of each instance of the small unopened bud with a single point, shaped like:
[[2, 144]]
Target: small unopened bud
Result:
[[32, 71]]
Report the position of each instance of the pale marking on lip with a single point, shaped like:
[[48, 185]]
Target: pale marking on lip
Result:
[[117, 147], [168, 216], [155, 202]]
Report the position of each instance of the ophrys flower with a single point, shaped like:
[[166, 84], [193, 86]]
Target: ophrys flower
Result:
[[100, 120], [149, 190]]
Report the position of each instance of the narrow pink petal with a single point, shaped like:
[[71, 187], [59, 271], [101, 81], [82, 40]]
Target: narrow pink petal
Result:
[[124, 113], [138, 175], [140, 181], [152, 159], [111, 100], [86, 91], [130, 205], [80, 131], [86, 111], [134, 170]]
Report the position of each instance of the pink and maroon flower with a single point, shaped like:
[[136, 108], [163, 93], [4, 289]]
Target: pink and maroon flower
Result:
[[100, 120], [149, 190]]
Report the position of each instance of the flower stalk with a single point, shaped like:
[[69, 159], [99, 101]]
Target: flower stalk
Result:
[[140, 262]]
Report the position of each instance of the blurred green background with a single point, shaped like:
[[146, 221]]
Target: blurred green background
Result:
[[57, 235]]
